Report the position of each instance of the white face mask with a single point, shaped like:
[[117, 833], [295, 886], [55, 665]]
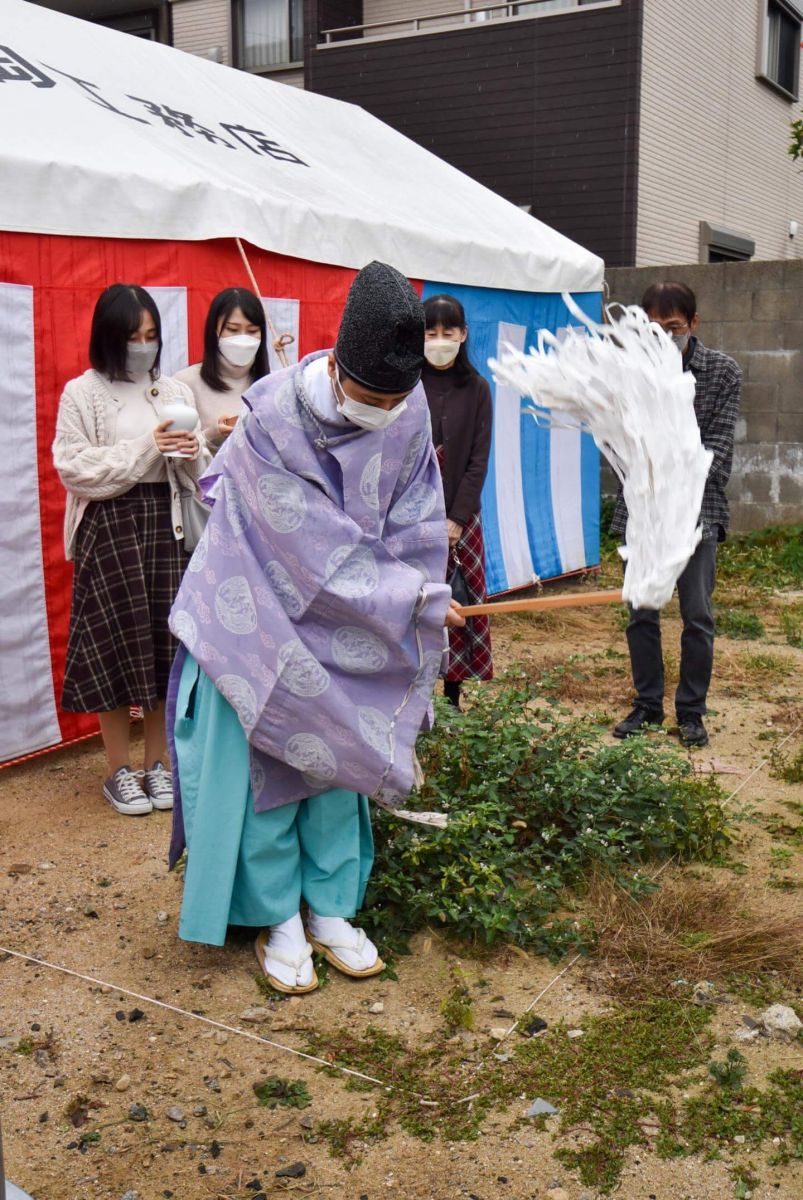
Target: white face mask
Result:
[[240, 349], [140, 357], [441, 352], [364, 415]]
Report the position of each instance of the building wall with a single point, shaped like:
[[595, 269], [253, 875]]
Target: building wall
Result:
[[713, 138], [751, 311], [200, 25], [542, 110]]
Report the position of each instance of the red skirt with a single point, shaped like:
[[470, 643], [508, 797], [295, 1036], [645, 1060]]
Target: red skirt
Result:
[[470, 648]]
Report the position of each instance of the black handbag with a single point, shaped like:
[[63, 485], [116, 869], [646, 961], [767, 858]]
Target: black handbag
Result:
[[457, 582]]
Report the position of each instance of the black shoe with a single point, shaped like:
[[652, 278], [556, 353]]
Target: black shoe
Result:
[[637, 721], [692, 731]]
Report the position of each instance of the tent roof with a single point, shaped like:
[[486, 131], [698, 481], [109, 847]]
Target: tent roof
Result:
[[109, 135]]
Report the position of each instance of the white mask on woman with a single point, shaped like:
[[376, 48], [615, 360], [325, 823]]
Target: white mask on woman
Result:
[[364, 415], [240, 349], [140, 357], [441, 352]]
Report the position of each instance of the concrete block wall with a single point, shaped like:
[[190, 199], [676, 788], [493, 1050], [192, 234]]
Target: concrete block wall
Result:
[[754, 312]]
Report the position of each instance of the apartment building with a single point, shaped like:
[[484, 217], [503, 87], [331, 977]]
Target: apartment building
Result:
[[651, 131]]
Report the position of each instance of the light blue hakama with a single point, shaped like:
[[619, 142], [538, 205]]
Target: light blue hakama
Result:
[[249, 868]]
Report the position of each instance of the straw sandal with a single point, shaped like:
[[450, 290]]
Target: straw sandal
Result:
[[327, 949], [261, 948]]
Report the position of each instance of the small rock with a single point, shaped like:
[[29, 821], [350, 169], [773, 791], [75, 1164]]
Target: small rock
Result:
[[575, 1033], [44, 1118], [220, 1037], [740, 1138], [541, 1107], [294, 1171], [138, 1112], [149, 952], [255, 1016], [534, 1027], [746, 1035], [101, 1077], [36, 1027], [212, 1083], [215, 1148], [42, 1058], [255, 1185], [174, 1113], [200, 1110], [130, 1196], [119, 1015], [123, 1083], [781, 1022], [376, 1008], [162, 918], [136, 1014], [307, 1122], [8, 1043], [498, 1032], [704, 993], [557, 1193], [91, 912]]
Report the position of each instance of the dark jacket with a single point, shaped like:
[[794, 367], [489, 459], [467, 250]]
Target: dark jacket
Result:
[[462, 419]]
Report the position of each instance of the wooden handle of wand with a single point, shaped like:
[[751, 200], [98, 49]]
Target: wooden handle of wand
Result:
[[540, 603]]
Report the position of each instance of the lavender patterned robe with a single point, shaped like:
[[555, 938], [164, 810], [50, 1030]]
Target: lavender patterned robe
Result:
[[315, 599]]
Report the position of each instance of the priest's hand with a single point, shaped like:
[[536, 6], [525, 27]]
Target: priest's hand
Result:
[[454, 617], [454, 531]]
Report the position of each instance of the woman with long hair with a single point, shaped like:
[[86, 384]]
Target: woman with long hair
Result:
[[235, 356], [461, 413], [124, 468]]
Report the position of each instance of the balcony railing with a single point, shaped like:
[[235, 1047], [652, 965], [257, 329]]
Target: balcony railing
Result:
[[426, 23]]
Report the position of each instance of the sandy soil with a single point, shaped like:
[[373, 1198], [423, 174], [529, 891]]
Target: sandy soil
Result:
[[85, 888]]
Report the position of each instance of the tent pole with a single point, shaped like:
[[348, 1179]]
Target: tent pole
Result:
[[279, 341]]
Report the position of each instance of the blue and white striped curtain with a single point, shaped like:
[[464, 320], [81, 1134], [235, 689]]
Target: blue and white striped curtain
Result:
[[540, 504]]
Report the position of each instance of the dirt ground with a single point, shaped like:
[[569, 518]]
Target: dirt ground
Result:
[[87, 889]]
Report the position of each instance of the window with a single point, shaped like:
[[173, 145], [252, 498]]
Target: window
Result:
[[718, 244], [269, 33], [780, 63]]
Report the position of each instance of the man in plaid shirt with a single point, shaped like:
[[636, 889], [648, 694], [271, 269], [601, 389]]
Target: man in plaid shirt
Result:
[[718, 381]]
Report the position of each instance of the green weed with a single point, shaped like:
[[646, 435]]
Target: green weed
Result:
[[533, 804], [737, 624], [275, 1092]]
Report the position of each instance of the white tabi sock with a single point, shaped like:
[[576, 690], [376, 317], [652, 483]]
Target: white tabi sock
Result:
[[290, 941], [345, 941]]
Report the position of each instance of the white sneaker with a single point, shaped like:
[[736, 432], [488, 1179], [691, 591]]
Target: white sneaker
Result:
[[123, 791], [158, 786]]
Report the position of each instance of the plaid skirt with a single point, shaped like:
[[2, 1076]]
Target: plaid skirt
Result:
[[128, 567], [470, 648]]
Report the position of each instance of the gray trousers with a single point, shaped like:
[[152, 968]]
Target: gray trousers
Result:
[[695, 588]]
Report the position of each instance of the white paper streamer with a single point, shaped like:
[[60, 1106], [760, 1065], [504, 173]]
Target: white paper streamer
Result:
[[624, 382]]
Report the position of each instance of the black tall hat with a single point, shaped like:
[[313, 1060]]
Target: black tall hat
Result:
[[380, 343]]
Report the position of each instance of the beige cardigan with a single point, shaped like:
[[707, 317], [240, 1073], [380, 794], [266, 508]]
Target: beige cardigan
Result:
[[92, 465]]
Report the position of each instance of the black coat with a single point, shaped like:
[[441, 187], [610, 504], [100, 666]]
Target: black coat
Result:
[[462, 419]]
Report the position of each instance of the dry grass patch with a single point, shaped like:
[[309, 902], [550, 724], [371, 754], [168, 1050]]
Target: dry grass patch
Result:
[[689, 929]]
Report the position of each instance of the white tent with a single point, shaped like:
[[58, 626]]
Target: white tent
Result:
[[125, 160], [113, 136]]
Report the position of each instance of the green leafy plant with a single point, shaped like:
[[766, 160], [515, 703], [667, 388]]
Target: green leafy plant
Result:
[[787, 768], [791, 622], [533, 804], [457, 1008], [731, 1072], [275, 1092], [737, 624], [767, 558]]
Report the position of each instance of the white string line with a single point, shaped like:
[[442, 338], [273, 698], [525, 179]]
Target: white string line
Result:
[[254, 1037], [246, 1033]]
